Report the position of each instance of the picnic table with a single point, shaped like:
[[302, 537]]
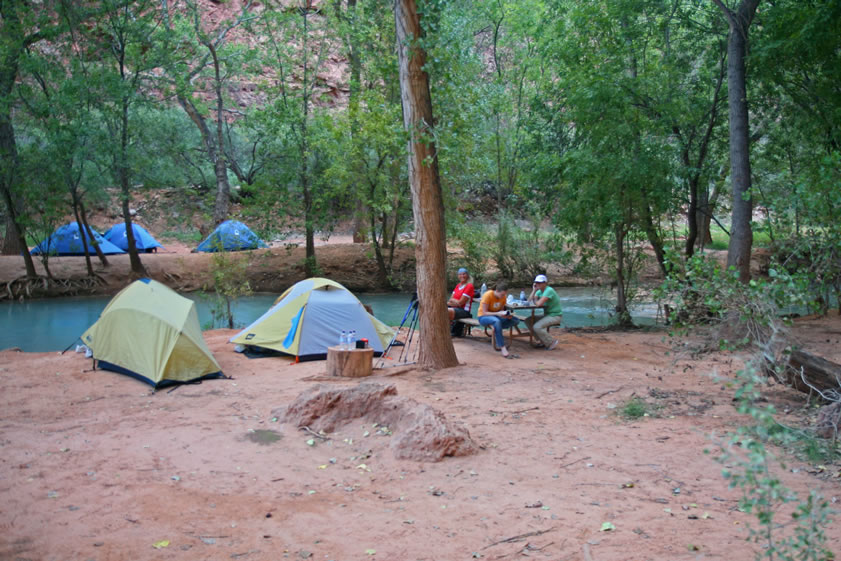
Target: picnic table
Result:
[[514, 332], [517, 306]]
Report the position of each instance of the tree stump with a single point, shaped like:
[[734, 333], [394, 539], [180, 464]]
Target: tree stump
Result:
[[353, 363]]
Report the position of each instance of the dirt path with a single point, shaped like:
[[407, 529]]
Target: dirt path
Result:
[[94, 466]]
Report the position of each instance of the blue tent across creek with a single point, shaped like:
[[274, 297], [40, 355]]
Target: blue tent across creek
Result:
[[67, 240], [231, 235], [143, 240]]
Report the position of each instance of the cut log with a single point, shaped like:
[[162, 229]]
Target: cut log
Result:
[[353, 363], [820, 373]]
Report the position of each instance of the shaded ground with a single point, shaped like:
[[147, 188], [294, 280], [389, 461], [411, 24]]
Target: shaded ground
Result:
[[94, 466]]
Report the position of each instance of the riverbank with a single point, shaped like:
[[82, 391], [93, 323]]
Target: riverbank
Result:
[[269, 270], [95, 466]]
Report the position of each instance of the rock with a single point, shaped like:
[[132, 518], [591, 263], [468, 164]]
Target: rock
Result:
[[420, 432]]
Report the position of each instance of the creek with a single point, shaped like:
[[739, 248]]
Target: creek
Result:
[[53, 324]]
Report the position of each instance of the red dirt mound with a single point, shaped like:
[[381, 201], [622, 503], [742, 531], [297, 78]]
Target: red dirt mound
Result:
[[420, 432]]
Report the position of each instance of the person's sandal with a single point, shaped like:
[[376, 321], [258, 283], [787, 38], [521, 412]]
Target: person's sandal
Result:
[[552, 345], [512, 355]]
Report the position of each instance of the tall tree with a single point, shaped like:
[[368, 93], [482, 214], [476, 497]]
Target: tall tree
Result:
[[436, 347], [220, 60], [299, 41], [17, 33], [741, 233], [126, 36]]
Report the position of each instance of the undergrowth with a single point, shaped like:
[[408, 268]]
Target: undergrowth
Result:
[[787, 527]]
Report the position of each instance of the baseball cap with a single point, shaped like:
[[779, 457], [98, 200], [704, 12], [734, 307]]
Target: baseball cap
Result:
[[462, 270], [540, 278]]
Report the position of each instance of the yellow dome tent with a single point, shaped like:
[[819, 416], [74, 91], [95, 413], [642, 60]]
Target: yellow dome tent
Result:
[[152, 333], [309, 317]]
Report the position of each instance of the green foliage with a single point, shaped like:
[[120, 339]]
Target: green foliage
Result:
[[476, 242], [188, 236], [706, 298], [519, 253], [634, 408], [229, 281], [749, 466]]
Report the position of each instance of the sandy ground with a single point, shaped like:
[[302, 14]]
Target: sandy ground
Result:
[[95, 466]]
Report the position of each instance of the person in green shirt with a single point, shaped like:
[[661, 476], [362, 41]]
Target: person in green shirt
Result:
[[544, 295]]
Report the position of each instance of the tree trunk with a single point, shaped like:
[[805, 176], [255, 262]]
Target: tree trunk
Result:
[[223, 188], [652, 234], [88, 263], [378, 253], [354, 89], [134, 258], [13, 41], [820, 373], [741, 236], [310, 265], [692, 214], [623, 315], [436, 347], [702, 218], [89, 231]]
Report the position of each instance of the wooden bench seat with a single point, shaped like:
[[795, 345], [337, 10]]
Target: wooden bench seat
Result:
[[470, 323]]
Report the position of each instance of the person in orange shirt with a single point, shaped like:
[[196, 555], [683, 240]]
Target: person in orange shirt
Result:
[[492, 312]]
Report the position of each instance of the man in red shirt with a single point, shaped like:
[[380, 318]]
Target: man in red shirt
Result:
[[458, 306]]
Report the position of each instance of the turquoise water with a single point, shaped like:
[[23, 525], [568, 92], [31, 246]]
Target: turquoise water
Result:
[[54, 324]]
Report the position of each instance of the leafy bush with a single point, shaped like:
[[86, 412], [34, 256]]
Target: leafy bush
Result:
[[519, 253], [748, 466], [710, 301], [229, 282]]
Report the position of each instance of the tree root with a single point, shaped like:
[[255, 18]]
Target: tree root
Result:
[[27, 287]]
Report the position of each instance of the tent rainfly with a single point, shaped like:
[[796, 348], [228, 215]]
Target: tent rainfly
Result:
[[67, 240], [143, 240], [309, 317], [231, 235], [152, 333]]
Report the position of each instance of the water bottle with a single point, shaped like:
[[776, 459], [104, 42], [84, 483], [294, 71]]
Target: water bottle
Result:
[[343, 340], [484, 288], [522, 296], [351, 339]]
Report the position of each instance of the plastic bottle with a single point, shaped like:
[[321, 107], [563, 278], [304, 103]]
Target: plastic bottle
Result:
[[522, 296], [484, 288], [351, 339], [343, 340]]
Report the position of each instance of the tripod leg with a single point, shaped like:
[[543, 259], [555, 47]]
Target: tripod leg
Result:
[[412, 326], [412, 304]]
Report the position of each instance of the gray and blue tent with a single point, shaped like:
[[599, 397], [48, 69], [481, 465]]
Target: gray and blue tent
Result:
[[309, 317], [67, 240], [143, 240], [231, 235]]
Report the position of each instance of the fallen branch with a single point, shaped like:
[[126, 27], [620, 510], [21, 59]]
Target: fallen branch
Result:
[[608, 392], [575, 462], [513, 412], [316, 434], [521, 537]]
